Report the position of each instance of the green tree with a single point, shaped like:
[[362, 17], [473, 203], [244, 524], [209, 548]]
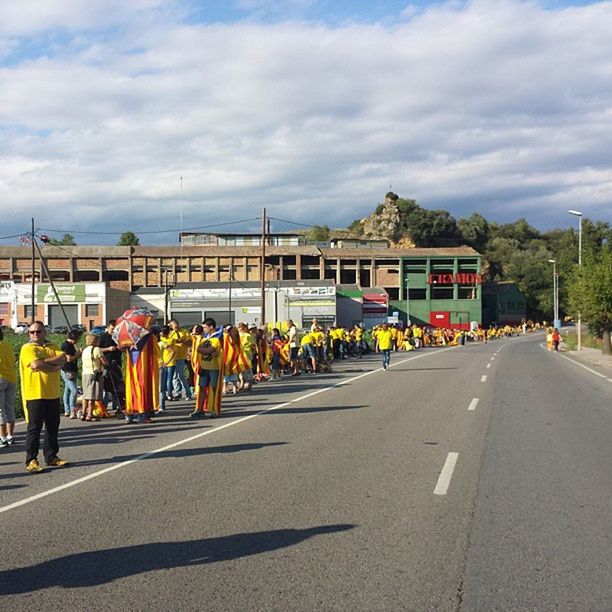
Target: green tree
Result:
[[66, 240], [319, 233], [590, 293], [128, 239], [475, 231]]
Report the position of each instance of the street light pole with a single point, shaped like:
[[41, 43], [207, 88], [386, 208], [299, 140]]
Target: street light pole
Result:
[[578, 214], [407, 304], [555, 292]]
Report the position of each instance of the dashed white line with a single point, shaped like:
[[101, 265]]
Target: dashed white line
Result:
[[446, 474], [473, 404], [483, 378], [488, 365]]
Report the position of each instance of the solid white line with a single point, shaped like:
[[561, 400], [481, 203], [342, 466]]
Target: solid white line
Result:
[[579, 364], [73, 483], [483, 378], [446, 474], [488, 365], [473, 404]]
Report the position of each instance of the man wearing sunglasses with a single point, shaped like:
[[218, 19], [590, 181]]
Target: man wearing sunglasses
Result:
[[39, 365]]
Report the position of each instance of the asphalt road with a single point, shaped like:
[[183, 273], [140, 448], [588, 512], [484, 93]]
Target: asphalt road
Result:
[[468, 478]]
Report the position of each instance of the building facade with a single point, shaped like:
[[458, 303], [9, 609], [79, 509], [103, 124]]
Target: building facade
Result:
[[416, 281]]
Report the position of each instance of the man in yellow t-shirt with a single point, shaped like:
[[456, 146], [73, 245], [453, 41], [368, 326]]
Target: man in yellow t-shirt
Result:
[[182, 341], [384, 344], [39, 366], [309, 353], [210, 381]]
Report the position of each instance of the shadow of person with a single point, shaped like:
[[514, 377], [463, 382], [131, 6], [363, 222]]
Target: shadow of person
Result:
[[97, 567]]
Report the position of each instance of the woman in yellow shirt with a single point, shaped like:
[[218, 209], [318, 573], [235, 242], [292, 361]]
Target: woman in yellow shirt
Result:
[[8, 384]]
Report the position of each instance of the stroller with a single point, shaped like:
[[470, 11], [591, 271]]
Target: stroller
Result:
[[114, 384]]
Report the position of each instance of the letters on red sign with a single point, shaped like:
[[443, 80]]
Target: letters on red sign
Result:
[[462, 278]]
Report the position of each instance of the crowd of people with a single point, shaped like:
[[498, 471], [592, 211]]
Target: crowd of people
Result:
[[200, 366]]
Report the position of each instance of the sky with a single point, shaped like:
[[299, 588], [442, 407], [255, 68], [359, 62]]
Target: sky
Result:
[[156, 115]]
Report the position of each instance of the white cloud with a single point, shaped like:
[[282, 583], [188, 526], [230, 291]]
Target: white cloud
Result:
[[499, 107]]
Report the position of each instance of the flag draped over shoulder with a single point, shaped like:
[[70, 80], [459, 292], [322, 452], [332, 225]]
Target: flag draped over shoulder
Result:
[[212, 401], [142, 377], [234, 359]]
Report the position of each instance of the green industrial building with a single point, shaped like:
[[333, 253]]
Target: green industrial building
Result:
[[439, 290]]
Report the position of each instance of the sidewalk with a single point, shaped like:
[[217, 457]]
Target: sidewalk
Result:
[[591, 357]]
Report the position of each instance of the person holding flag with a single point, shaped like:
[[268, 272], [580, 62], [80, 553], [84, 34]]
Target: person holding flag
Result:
[[207, 362]]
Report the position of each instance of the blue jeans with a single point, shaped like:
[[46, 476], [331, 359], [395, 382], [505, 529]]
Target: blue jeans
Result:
[[386, 357], [169, 377], [163, 382], [70, 393], [180, 382]]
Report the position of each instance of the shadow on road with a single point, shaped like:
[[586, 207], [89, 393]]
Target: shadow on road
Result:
[[183, 452], [97, 567]]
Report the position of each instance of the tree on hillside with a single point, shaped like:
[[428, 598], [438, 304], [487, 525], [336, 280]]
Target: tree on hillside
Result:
[[128, 239], [66, 240], [475, 231], [319, 233], [590, 293]]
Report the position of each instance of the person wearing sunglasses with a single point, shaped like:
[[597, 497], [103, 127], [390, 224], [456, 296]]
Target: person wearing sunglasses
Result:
[[40, 363]]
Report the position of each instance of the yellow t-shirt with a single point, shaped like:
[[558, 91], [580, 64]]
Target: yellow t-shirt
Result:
[[182, 341], [213, 363], [317, 338], [7, 362], [38, 385], [168, 350], [384, 339], [306, 339], [358, 333]]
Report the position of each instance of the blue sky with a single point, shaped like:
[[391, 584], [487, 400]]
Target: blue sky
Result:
[[311, 109]]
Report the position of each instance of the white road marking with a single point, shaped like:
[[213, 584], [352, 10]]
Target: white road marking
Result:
[[488, 365], [484, 378], [446, 474], [473, 404], [215, 429], [580, 364]]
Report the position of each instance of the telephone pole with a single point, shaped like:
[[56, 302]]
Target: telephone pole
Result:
[[262, 269]]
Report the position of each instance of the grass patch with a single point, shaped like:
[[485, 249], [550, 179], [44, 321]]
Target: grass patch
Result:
[[587, 339]]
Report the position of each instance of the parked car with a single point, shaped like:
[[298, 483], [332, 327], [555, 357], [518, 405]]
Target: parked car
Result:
[[78, 327], [60, 329], [22, 328], [98, 330]]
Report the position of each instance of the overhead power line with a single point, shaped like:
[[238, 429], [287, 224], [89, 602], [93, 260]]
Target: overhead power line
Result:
[[142, 233]]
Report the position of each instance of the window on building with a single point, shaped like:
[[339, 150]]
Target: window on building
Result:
[[311, 274], [417, 294], [348, 277], [92, 310], [393, 293], [27, 311], [467, 292], [441, 292]]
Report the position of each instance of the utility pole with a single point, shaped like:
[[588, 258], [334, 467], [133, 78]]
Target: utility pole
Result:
[[262, 269], [57, 298], [33, 318], [229, 301]]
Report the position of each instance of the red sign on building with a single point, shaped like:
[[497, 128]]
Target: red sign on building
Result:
[[462, 278]]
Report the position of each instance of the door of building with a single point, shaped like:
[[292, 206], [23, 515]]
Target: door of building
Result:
[[440, 318], [56, 318]]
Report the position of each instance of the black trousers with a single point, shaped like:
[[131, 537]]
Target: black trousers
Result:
[[42, 412]]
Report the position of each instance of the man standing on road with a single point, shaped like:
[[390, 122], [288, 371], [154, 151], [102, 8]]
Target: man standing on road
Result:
[[384, 344], [181, 340], [39, 365]]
